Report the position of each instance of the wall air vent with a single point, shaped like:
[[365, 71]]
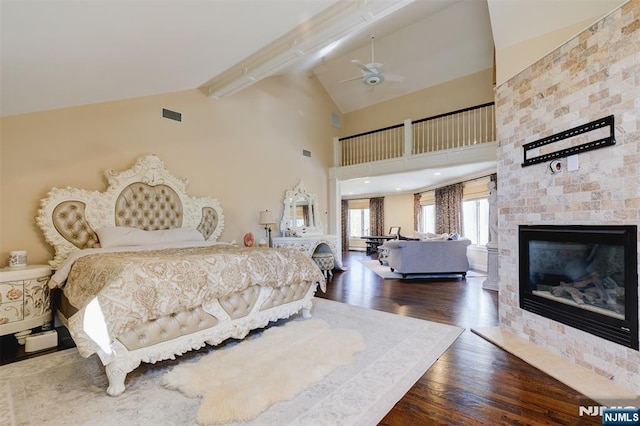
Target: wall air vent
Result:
[[171, 115]]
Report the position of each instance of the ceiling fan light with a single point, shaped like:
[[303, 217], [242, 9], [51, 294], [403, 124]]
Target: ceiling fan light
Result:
[[373, 80]]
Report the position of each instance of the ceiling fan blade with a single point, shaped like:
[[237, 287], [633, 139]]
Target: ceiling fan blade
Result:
[[360, 65], [351, 79], [394, 77]]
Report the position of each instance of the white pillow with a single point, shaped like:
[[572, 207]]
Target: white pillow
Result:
[[428, 236], [117, 236]]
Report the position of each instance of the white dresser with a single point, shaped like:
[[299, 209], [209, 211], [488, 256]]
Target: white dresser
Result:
[[24, 298], [308, 244]]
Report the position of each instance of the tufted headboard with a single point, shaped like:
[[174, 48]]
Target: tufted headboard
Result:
[[146, 197]]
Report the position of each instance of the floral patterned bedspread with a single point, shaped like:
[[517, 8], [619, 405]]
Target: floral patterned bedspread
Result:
[[137, 286]]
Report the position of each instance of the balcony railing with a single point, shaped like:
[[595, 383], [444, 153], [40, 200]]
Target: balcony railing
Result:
[[465, 127]]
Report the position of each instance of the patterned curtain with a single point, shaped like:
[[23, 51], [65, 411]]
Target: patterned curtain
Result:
[[344, 219], [417, 212], [449, 209], [376, 216]]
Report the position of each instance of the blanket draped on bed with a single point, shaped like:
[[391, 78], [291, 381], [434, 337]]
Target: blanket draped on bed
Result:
[[138, 286]]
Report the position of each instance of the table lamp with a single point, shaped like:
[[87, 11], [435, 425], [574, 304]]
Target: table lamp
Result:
[[266, 219]]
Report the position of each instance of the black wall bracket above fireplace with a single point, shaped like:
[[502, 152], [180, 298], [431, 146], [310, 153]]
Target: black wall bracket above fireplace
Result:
[[587, 146]]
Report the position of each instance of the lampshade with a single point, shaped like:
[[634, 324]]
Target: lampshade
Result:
[[266, 218]]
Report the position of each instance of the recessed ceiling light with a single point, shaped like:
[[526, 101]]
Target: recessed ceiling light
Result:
[[437, 174], [398, 189], [367, 181]]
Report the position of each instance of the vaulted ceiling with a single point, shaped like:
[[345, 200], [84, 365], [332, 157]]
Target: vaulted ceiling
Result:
[[62, 53], [423, 44]]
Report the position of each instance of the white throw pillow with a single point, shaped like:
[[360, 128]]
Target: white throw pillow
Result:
[[428, 236], [118, 236]]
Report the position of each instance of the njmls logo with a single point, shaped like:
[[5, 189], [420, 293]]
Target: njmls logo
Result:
[[627, 416], [591, 410], [612, 416]]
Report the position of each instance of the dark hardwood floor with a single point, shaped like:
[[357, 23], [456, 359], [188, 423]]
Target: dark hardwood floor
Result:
[[474, 382]]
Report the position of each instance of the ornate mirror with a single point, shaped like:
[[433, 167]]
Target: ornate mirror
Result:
[[300, 213]]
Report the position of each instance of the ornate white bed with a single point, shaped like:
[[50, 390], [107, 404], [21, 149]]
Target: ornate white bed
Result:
[[143, 278]]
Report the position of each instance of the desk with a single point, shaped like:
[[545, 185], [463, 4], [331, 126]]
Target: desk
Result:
[[373, 241]]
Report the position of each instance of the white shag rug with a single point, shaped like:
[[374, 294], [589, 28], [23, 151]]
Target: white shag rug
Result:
[[237, 383], [64, 388], [385, 272]]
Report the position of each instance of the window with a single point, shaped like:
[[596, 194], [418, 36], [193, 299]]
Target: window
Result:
[[475, 220], [358, 223], [475, 211], [428, 215], [427, 212]]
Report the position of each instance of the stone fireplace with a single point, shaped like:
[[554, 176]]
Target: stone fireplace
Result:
[[582, 276], [592, 76]]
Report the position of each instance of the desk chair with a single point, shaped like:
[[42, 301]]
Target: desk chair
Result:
[[394, 231]]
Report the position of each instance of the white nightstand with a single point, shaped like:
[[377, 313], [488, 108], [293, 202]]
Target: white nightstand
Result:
[[24, 298]]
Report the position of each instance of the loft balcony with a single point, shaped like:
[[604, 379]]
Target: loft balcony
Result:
[[464, 138]]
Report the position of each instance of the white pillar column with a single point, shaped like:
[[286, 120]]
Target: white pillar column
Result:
[[335, 219], [337, 152], [492, 282], [408, 138]]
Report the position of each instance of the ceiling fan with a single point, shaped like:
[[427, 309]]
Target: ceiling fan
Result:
[[371, 74]]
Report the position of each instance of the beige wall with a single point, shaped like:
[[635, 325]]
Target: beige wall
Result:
[[398, 211], [513, 59], [245, 150], [510, 60], [474, 89]]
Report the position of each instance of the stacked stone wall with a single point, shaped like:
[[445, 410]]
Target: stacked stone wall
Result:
[[594, 75]]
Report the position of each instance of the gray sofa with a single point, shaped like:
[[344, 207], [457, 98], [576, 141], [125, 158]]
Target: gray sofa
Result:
[[428, 256]]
